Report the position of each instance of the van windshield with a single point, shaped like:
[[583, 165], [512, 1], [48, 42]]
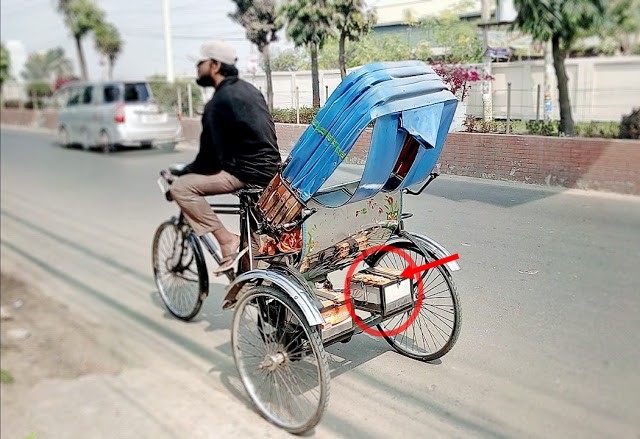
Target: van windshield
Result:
[[136, 92]]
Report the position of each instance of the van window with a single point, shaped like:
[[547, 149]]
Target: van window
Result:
[[74, 97], [111, 93], [136, 92], [86, 96]]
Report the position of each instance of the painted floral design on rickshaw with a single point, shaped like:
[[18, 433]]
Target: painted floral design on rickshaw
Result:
[[287, 243], [391, 210]]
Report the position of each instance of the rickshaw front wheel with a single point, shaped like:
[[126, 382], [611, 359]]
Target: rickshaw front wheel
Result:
[[280, 359], [437, 325], [179, 270]]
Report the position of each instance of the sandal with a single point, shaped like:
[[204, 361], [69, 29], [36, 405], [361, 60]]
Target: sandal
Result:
[[229, 262]]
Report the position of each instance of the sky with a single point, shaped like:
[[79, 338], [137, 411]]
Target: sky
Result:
[[33, 25]]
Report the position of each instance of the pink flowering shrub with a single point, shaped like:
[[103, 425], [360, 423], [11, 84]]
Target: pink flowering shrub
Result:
[[63, 80], [459, 77]]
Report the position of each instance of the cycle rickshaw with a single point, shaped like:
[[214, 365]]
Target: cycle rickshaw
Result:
[[301, 235]]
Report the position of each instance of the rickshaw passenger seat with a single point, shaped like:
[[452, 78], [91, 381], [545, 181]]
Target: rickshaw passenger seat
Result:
[[336, 197]]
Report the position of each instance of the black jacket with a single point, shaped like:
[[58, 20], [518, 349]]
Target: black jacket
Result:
[[238, 135]]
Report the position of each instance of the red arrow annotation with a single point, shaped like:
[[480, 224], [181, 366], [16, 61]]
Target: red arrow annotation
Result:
[[410, 272]]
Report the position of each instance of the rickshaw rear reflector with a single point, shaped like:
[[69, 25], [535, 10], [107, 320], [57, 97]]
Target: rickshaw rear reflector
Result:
[[381, 291]]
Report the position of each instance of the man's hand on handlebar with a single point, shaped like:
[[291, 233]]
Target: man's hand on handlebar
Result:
[[168, 177], [175, 170], [178, 169]]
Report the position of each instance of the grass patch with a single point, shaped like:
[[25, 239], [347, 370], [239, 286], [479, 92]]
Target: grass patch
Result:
[[6, 377]]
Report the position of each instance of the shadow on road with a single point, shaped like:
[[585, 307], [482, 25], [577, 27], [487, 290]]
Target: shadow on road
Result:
[[494, 193], [119, 150]]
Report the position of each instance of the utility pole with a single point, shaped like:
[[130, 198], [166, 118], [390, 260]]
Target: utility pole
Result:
[[167, 40], [487, 99], [548, 74]]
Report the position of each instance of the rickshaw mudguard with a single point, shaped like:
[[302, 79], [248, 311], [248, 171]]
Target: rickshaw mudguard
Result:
[[427, 244], [290, 282]]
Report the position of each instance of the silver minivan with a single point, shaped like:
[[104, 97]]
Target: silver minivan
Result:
[[106, 114]]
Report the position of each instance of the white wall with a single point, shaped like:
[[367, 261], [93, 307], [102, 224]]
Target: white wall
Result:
[[600, 89], [13, 90]]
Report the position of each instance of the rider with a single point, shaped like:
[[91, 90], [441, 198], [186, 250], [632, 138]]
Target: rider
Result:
[[238, 147]]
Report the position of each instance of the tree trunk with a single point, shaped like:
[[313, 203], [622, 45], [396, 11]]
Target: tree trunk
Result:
[[112, 61], [566, 120], [83, 64], [267, 72], [341, 60], [315, 79]]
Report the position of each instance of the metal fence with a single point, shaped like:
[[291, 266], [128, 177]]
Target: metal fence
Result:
[[600, 89], [183, 98]]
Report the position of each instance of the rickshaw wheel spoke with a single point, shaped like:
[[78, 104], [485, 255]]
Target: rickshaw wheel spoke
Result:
[[437, 325], [280, 359]]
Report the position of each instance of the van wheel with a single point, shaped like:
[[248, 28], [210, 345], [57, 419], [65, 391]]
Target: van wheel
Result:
[[86, 144], [63, 137], [105, 144]]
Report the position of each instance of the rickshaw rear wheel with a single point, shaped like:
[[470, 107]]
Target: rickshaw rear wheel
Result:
[[280, 359], [437, 325], [179, 270]]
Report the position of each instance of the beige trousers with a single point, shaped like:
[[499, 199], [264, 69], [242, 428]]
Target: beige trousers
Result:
[[189, 192]]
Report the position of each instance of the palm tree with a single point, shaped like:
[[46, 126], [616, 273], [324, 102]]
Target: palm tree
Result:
[[310, 23], [561, 21], [81, 17], [259, 18], [5, 65], [108, 43], [353, 22], [46, 66]]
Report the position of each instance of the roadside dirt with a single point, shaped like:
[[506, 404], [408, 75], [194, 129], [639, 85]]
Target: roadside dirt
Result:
[[41, 339]]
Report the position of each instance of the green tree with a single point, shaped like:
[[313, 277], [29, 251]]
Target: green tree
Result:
[[380, 48], [37, 91], [166, 94], [259, 19], [108, 43], [622, 25], [353, 22], [561, 21], [309, 24], [46, 66], [5, 65], [369, 49], [458, 39], [289, 60], [81, 17]]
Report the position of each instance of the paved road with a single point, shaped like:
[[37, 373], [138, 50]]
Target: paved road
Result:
[[550, 291]]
